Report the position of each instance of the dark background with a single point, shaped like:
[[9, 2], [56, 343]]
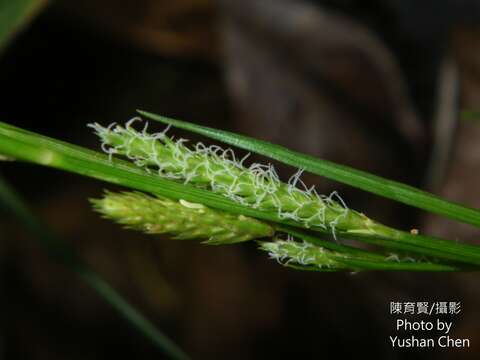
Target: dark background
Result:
[[378, 85]]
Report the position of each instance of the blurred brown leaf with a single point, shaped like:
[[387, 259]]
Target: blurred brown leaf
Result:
[[179, 28]]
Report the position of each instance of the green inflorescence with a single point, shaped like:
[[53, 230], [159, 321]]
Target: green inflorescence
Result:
[[258, 191], [218, 170], [293, 253], [182, 219]]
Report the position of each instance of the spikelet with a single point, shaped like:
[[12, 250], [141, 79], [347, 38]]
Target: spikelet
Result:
[[184, 220], [257, 186], [303, 254]]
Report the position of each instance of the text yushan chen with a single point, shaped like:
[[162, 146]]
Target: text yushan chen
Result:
[[415, 341]]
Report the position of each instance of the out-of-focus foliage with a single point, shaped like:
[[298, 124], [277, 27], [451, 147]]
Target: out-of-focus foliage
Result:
[[179, 28], [14, 14]]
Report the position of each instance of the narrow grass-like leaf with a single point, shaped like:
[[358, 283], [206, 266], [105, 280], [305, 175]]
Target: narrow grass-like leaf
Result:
[[204, 169], [24, 145], [423, 245], [372, 183], [60, 252], [28, 146]]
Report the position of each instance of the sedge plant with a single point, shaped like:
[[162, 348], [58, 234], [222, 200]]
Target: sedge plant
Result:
[[207, 193]]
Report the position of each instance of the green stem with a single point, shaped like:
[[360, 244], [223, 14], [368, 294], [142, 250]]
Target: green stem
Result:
[[27, 146], [421, 245], [368, 182], [362, 259]]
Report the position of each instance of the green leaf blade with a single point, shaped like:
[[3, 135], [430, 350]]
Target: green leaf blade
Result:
[[28, 146], [390, 189]]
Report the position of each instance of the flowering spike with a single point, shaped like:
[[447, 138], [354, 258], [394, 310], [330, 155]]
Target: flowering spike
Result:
[[257, 186], [184, 220], [293, 253]]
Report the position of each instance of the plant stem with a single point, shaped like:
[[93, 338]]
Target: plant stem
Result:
[[375, 184], [27, 146], [365, 260]]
